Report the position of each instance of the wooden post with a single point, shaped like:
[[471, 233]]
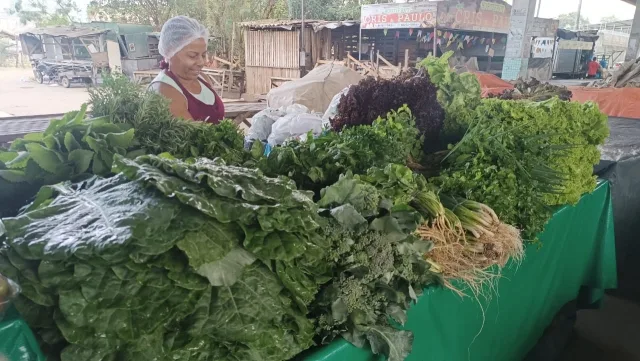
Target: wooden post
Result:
[[490, 57], [406, 58], [435, 41], [233, 42]]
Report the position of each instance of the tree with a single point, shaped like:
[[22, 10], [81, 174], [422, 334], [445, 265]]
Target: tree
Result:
[[329, 9], [609, 19], [37, 11], [568, 21], [148, 12]]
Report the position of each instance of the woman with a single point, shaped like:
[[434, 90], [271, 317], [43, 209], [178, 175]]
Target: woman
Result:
[[183, 44]]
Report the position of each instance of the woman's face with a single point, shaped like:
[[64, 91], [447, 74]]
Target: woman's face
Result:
[[188, 62]]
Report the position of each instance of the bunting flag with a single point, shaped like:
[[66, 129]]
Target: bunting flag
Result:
[[482, 41], [397, 34], [493, 40], [431, 36], [460, 45], [410, 32], [385, 32], [486, 49], [419, 33]]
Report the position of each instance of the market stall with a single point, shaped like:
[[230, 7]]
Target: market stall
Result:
[[577, 259], [134, 235]]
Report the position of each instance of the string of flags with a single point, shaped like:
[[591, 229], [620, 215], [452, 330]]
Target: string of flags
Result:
[[459, 40]]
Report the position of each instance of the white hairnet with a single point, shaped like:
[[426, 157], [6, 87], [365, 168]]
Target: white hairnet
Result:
[[177, 33]]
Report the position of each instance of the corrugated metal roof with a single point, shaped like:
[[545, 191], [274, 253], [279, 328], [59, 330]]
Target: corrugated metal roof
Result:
[[68, 31], [291, 24]]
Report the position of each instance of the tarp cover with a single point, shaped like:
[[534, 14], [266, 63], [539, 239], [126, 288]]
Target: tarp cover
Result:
[[620, 165], [316, 89], [491, 84], [615, 102], [578, 249], [17, 342]]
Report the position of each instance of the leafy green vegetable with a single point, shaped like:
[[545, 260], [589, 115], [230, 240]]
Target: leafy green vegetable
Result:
[[157, 131], [319, 162], [112, 262], [70, 149], [522, 158], [459, 94]]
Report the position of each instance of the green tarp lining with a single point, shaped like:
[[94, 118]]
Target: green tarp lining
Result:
[[16, 339], [578, 249]]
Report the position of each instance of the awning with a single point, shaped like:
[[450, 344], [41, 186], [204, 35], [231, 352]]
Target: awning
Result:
[[317, 25], [66, 31]]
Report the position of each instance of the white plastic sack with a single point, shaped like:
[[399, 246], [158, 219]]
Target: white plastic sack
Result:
[[332, 110], [262, 122], [316, 89], [294, 125], [294, 109]]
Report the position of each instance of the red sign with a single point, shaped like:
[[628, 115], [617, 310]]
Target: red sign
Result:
[[487, 15], [399, 16]]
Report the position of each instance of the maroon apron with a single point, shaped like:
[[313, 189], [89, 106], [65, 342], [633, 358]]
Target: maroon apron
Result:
[[201, 111]]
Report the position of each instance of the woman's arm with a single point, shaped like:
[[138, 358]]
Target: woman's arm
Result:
[[177, 101]]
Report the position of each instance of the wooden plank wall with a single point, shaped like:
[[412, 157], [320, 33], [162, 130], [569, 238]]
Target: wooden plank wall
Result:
[[275, 53], [271, 48], [259, 78]]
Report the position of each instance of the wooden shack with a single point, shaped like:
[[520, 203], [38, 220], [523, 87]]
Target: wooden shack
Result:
[[272, 49]]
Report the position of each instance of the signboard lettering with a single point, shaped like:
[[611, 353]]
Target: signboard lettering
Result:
[[489, 16], [399, 16]]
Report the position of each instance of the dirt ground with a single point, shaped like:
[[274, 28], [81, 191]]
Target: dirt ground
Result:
[[21, 95]]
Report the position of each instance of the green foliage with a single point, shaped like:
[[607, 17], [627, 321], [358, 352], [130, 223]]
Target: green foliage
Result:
[[222, 267], [459, 94], [71, 148], [374, 281], [39, 12], [319, 162], [522, 158], [157, 131]]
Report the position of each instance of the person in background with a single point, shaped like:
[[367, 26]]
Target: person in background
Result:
[[183, 45], [604, 64], [593, 68]]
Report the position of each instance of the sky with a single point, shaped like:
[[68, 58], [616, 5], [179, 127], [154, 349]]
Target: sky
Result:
[[594, 10]]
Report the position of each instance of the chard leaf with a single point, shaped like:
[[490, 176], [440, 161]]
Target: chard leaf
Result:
[[13, 176], [46, 159], [6, 157], [348, 216], [70, 142], [210, 243], [81, 158], [19, 162], [226, 271], [107, 210], [121, 140]]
